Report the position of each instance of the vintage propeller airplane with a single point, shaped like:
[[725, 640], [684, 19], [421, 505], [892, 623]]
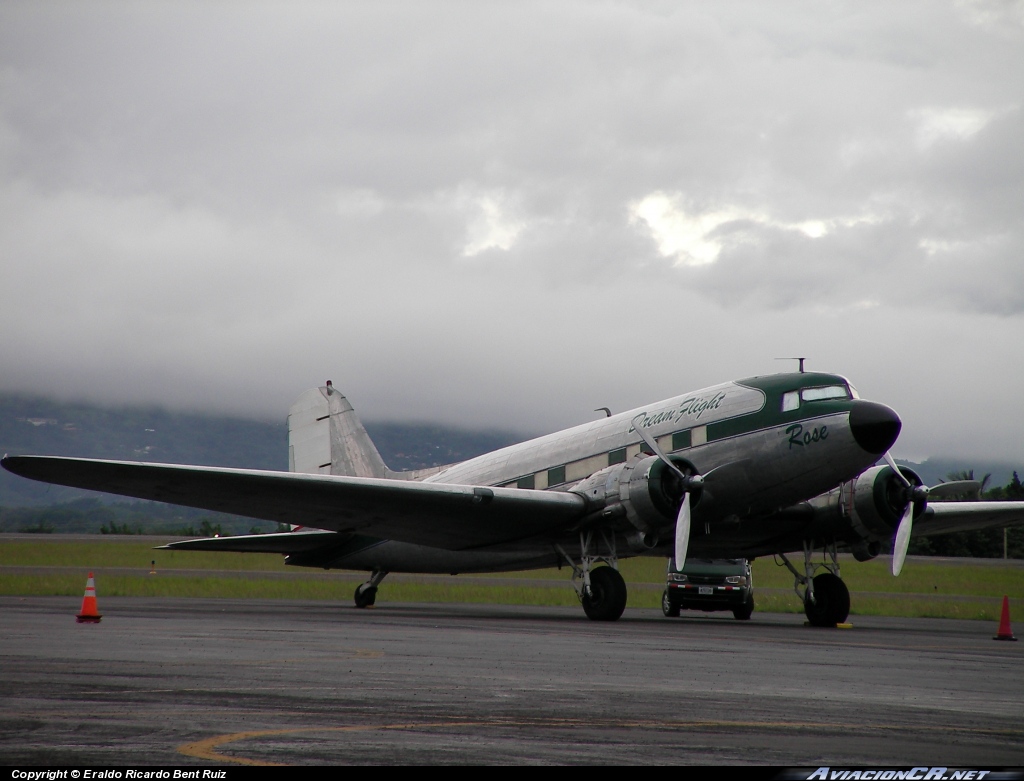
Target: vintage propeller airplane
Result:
[[762, 466]]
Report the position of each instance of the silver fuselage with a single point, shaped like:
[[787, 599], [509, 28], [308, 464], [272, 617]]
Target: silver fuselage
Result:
[[764, 457]]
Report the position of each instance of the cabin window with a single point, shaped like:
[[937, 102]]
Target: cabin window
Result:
[[790, 401], [556, 476], [680, 440], [617, 456], [525, 482]]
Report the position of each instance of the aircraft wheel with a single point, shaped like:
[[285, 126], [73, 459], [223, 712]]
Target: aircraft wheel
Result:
[[365, 597], [607, 599], [744, 612], [832, 605], [667, 607]]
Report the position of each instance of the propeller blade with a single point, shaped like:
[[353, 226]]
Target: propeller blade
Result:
[[955, 487], [892, 465], [689, 482], [682, 531], [653, 445], [902, 542]]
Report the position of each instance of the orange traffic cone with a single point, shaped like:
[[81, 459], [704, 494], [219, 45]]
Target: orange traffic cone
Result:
[[89, 614], [1005, 633]]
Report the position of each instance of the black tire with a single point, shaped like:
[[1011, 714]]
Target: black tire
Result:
[[745, 611], [365, 597], [668, 607], [832, 601], [607, 599]]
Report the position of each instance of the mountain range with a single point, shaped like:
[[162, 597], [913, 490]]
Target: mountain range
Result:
[[38, 425]]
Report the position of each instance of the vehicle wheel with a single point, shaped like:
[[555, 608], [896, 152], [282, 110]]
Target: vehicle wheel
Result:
[[832, 601], [607, 599], [746, 610], [669, 608], [365, 597]]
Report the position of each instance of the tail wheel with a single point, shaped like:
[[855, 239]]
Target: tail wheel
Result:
[[365, 597], [831, 603], [669, 608], [607, 598]]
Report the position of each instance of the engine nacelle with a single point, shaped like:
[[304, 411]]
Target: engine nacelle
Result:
[[645, 490], [866, 511], [879, 501]]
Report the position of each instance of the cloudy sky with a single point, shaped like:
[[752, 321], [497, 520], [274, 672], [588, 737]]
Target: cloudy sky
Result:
[[508, 214]]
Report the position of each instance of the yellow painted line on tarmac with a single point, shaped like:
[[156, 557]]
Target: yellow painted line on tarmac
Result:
[[206, 749]]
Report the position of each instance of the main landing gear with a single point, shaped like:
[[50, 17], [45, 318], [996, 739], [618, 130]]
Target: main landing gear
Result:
[[366, 593], [601, 590], [826, 598]]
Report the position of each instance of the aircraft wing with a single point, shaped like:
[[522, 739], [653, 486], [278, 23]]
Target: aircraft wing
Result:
[[948, 517], [453, 517]]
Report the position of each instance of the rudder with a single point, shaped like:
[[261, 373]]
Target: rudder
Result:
[[325, 436]]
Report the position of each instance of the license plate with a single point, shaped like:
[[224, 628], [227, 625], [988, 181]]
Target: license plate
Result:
[[706, 590]]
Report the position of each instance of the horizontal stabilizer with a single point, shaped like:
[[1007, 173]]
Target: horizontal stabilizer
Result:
[[954, 488], [288, 542]]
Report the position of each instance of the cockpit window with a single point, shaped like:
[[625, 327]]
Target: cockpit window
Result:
[[829, 392], [791, 399]]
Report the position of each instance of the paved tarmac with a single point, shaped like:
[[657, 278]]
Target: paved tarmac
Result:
[[184, 681]]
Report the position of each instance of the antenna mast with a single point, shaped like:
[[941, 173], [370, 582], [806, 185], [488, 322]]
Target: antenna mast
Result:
[[794, 359]]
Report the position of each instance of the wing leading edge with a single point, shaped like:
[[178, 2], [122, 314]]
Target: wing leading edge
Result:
[[453, 517]]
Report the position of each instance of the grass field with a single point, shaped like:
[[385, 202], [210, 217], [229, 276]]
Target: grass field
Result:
[[952, 590]]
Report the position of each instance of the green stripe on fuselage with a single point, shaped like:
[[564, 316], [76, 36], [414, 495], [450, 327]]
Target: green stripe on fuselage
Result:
[[771, 414]]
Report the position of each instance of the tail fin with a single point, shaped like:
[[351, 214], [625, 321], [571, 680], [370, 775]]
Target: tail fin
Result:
[[325, 436]]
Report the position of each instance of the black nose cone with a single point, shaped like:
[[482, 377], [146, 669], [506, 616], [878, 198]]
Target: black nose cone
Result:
[[874, 426]]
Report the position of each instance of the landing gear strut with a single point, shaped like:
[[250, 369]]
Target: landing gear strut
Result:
[[366, 593], [601, 590], [826, 598]]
